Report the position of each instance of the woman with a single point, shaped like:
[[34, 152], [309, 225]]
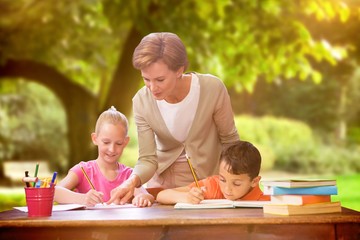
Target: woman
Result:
[[176, 114]]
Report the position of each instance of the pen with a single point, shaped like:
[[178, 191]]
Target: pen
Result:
[[53, 179], [38, 183], [26, 175], [36, 172], [192, 170]]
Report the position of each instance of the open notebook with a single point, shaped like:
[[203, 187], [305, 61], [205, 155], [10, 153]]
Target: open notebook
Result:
[[67, 207], [221, 203]]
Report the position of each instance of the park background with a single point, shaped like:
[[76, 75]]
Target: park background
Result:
[[291, 69]]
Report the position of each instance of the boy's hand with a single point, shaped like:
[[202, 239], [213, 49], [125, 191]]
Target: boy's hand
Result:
[[93, 197], [143, 200], [195, 195]]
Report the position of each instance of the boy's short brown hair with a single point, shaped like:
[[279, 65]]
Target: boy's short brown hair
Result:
[[242, 158]]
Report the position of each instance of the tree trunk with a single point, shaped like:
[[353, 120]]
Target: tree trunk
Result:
[[79, 104], [126, 78], [341, 127]]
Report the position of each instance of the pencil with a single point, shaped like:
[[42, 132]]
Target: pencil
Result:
[[36, 172], [192, 171], [87, 178]]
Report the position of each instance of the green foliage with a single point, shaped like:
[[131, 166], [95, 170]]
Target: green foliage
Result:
[[323, 159], [295, 148], [10, 199], [316, 104], [73, 36], [32, 125], [354, 135], [286, 138], [239, 40]]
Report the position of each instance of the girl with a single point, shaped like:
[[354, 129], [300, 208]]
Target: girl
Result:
[[106, 173]]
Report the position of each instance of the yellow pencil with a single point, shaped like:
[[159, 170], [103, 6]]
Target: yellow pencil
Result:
[[192, 170], [87, 178]]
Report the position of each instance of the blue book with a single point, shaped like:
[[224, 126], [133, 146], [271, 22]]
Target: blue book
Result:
[[321, 190]]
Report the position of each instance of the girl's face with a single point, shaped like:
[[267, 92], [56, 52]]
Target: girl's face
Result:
[[235, 186], [160, 80], [111, 141]]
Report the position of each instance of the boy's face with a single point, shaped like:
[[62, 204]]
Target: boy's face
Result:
[[235, 186], [111, 141]]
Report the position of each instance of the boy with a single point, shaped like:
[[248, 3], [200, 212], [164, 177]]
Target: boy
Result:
[[238, 179]]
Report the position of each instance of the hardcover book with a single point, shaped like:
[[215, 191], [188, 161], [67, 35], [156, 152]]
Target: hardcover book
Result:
[[293, 183], [321, 190], [299, 199], [289, 210]]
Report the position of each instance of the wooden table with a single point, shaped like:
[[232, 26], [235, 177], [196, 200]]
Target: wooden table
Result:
[[164, 222]]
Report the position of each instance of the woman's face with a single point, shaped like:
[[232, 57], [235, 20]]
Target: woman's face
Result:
[[160, 80]]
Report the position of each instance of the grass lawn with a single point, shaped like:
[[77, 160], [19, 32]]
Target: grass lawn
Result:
[[348, 191], [348, 194]]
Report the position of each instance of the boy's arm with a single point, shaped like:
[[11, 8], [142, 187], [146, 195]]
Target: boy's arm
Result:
[[181, 194]]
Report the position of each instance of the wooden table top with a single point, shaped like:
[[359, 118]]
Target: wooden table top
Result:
[[160, 215]]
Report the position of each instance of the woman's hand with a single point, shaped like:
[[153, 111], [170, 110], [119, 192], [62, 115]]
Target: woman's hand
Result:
[[123, 193]]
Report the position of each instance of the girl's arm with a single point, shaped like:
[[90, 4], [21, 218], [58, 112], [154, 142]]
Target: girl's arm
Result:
[[64, 193]]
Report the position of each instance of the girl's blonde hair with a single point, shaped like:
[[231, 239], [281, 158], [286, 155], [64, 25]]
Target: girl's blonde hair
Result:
[[112, 116], [164, 46]]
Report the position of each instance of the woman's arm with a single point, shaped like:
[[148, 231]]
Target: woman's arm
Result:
[[147, 163], [224, 117]]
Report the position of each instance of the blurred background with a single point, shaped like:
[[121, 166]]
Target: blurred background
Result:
[[291, 68]]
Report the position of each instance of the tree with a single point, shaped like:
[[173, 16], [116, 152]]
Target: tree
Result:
[[87, 46], [328, 107]]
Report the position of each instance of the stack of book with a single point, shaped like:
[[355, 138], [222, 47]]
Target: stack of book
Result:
[[298, 197]]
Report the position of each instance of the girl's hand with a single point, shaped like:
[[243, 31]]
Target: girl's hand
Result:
[[195, 195], [143, 200], [93, 197]]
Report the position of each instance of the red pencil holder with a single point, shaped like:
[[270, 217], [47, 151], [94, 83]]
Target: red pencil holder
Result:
[[39, 201]]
